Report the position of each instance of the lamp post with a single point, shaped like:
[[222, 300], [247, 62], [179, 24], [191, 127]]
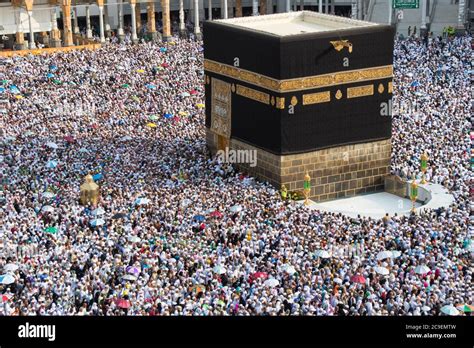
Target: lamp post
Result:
[[413, 193], [284, 192], [306, 188], [423, 167]]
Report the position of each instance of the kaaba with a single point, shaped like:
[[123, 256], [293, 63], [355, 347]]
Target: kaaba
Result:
[[309, 92]]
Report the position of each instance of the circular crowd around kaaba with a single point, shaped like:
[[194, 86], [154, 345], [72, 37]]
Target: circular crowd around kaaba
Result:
[[176, 232]]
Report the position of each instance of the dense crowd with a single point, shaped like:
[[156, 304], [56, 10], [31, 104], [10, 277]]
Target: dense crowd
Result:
[[178, 233]]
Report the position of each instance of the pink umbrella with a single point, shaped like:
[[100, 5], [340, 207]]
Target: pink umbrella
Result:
[[4, 298], [217, 213], [257, 275], [122, 303], [358, 279]]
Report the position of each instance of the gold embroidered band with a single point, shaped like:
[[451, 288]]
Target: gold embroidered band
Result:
[[303, 83]]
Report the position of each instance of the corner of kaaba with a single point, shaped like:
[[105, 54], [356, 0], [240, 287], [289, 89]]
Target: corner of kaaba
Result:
[[307, 92]]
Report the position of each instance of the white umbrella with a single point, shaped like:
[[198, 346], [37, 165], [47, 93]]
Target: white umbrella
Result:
[[186, 202], [338, 281], [449, 310], [10, 138], [98, 211], [425, 308], [142, 201], [48, 209], [97, 222], [381, 270], [129, 277], [235, 208], [134, 239], [384, 255], [10, 267], [51, 145], [126, 138], [51, 164], [48, 194], [396, 253], [209, 211], [7, 279], [271, 282], [219, 269], [289, 269], [322, 254], [422, 269]]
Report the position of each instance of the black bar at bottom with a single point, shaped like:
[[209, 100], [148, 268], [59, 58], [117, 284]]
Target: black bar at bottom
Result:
[[291, 331]]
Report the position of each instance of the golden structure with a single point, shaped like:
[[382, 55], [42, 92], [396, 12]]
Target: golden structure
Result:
[[424, 167], [306, 188], [413, 193], [284, 192], [340, 44], [90, 191]]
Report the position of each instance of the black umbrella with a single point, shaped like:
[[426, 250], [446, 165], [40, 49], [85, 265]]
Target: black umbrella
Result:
[[119, 216]]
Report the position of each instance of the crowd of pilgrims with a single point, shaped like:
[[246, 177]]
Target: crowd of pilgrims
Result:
[[178, 233]]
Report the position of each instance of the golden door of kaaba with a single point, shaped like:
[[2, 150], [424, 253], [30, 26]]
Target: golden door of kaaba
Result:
[[221, 111], [222, 143]]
